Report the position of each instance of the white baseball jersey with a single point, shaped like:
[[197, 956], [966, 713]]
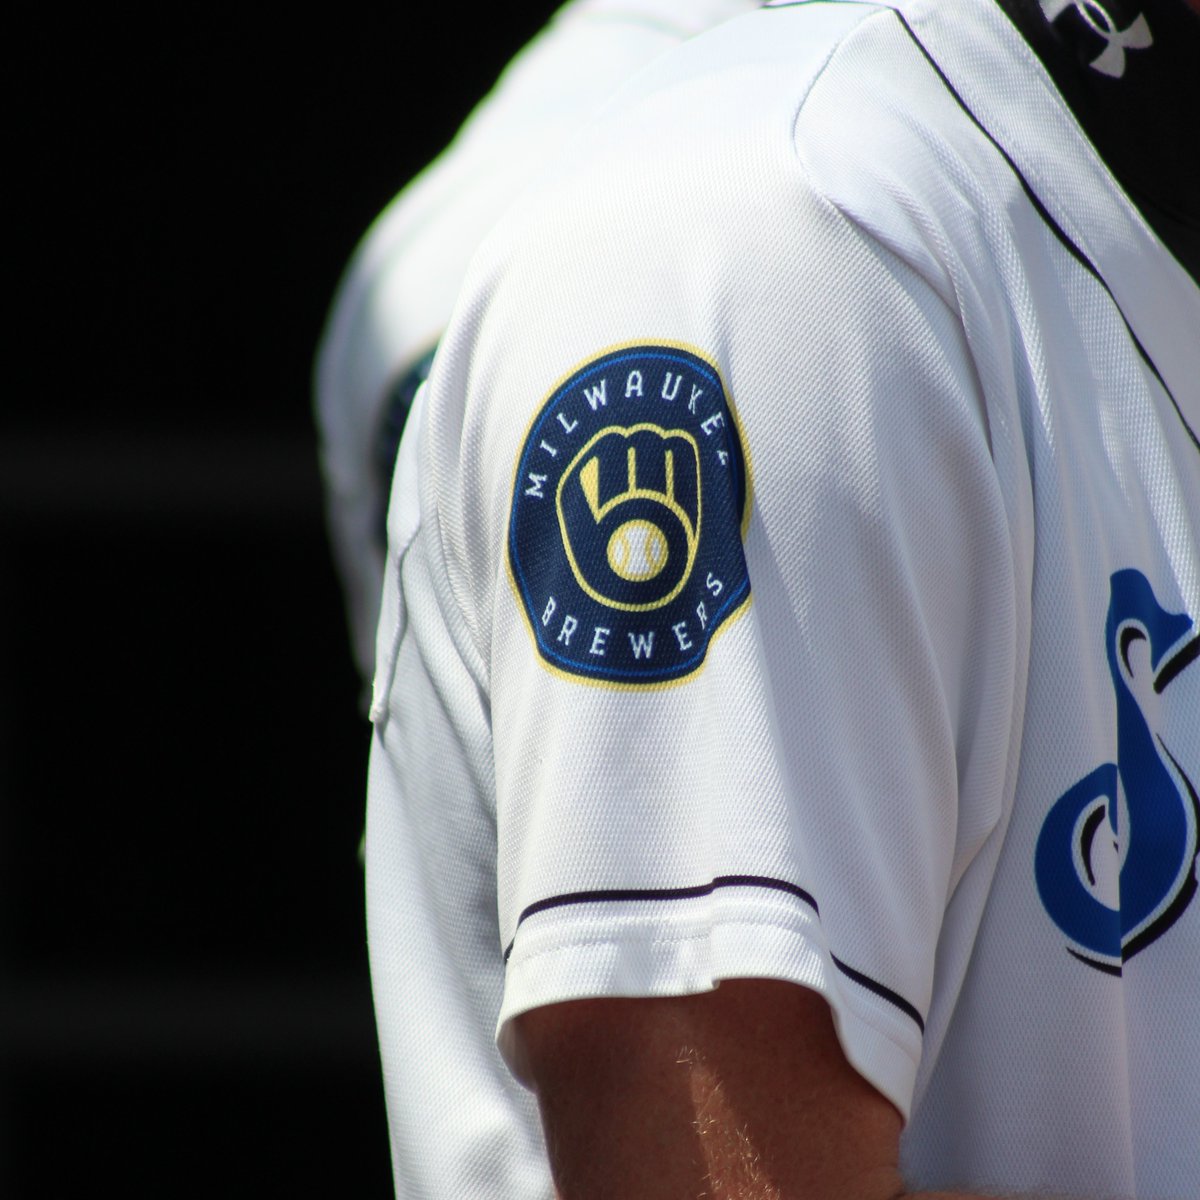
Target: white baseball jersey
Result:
[[800, 578], [395, 298]]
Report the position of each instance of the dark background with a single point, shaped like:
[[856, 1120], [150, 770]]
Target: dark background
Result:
[[184, 1001]]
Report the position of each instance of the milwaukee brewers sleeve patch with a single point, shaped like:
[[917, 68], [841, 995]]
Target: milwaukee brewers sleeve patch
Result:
[[630, 502]]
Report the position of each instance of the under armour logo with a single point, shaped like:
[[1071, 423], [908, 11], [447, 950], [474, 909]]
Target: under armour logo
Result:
[[1101, 24]]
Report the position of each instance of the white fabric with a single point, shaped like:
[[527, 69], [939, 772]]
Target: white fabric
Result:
[[396, 295], [460, 1125], [972, 546]]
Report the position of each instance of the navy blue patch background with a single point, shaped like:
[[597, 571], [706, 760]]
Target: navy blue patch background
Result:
[[681, 394]]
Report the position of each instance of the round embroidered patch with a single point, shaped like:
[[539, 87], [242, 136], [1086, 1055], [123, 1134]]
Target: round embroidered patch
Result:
[[629, 507]]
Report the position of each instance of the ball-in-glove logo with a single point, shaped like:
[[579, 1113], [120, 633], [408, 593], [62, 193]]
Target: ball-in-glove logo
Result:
[[629, 515], [629, 507]]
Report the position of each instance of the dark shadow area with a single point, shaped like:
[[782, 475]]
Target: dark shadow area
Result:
[[184, 1000]]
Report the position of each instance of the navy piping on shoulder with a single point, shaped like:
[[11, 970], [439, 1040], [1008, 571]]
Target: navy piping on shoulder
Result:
[[610, 895], [1068, 244]]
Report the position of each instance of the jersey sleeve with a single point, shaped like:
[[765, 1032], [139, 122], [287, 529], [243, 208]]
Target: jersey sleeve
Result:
[[399, 288], [721, 538]]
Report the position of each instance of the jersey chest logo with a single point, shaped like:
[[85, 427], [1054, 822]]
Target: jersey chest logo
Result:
[[1116, 858], [629, 507]]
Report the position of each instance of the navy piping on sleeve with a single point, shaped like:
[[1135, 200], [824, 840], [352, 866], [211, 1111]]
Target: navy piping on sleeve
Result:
[[613, 895]]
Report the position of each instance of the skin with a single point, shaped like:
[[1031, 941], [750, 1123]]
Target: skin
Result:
[[742, 1092]]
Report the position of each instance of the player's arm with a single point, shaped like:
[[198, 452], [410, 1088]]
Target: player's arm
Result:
[[743, 1091]]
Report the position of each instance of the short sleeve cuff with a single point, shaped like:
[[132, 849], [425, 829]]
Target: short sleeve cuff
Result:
[[585, 951]]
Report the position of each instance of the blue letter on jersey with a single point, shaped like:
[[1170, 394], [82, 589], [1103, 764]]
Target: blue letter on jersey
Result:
[[629, 507], [1138, 816]]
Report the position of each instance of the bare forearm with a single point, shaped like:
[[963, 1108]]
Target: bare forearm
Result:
[[972, 1196], [771, 1192], [995, 1196], [743, 1092]]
